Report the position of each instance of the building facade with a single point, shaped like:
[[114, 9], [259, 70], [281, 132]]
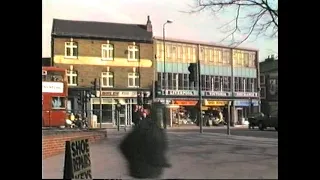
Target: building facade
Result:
[[218, 66], [120, 55], [269, 85]]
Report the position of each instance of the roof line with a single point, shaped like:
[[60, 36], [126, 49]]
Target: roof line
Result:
[[97, 22], [202, 43]]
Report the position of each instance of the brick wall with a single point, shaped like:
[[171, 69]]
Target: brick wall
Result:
[[53, 143]]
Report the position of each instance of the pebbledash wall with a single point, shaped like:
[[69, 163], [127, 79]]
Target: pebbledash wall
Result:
[[53, 143]]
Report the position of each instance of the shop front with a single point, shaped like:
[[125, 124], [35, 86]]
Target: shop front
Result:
[[109, 100], [243, 108]]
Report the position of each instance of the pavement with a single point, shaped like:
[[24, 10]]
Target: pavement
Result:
[[192, 155]]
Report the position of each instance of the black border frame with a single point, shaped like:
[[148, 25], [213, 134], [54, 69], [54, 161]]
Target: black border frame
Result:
[[295, 60]]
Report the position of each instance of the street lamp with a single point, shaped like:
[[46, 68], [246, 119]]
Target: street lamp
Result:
[[164, 68]]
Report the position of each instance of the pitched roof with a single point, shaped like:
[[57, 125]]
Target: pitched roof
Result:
[[268, 66], [103, 30]]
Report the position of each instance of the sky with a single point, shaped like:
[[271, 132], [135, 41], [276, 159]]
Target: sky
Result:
[[198, 27]]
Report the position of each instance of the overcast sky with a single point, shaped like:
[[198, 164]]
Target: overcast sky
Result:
[[198, 27]]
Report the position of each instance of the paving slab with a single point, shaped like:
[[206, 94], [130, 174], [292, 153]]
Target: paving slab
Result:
[[193, 155]]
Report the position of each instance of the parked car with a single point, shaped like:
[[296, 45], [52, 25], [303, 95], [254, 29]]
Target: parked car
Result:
[[253, 119], [270, 120]]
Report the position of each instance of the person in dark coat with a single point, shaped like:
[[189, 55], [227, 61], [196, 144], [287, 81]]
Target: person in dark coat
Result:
[[144, 148]]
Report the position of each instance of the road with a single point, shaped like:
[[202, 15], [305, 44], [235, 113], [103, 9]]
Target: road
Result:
[[192, 155], [243, 131]]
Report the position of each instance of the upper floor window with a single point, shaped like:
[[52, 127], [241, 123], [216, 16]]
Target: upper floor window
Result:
[[252, 59], [133, 79], [107, 51], [72, 78], [226, 56], [107, 79], [246, 59], [218, 55], [262, 80], [71, 50], [133, 53]]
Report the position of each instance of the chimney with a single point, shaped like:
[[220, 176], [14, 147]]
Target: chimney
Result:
[[149, 25]]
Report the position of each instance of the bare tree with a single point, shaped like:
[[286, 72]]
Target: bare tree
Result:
[[251, 18]]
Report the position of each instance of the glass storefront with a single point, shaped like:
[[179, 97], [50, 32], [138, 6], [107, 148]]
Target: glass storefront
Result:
[[109, 113]]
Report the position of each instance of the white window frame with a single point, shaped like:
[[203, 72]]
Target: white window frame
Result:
[[70, 45], [133, 49], [107, 75], [264, 79], [70, 75], [107, 52], [133, 76], [264, 91]]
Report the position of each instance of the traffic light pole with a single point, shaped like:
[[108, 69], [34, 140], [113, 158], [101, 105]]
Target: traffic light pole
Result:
[[200, 95]]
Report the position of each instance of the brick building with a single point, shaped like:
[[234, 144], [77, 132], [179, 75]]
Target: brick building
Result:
[[269, 84], [121, 55], [218, 66]]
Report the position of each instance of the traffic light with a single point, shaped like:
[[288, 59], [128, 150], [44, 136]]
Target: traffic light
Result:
[[145, 98], [193, 72], [80, 99], [139, 99], [94, 84]]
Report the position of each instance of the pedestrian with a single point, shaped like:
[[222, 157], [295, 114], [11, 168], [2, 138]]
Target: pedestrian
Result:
[[144, 148]]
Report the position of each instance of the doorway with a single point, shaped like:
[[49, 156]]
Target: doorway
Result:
[[239, 116]]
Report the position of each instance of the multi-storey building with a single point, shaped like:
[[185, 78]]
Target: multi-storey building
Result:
[[218, 66], [269, 85], [121, 55]]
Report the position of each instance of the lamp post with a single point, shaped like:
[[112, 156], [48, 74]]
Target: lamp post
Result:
[[164, 68]]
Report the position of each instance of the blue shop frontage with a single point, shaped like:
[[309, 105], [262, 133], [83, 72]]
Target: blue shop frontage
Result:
[[245, 107]]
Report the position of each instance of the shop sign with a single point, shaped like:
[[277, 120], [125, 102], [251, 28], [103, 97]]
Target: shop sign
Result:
[[215, 103], [245, 94], [216, 93], [180, 92], [123, 94], [185, 103], [246, 103]]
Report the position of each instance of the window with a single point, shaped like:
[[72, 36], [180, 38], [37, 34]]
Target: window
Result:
[[179, 52], [170, 81], [203, 80], [252, 60], [107, 79], [174, 52], [209, 55], [175, 81], [164, 80], [58, 102], [180, 82], [202, 54], [226, 83], [237, 84], [240, 58], [208, 83], [226, 56], [262, 80], [133, 53], [216, 83], [56, 76], [159, 51], [72, 78], [188, 53], [194, 54], [107, 51], [218, 56], [246, 59], [186, 81], [71, 50], [263, 93], [168, 51], [133, 80]]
